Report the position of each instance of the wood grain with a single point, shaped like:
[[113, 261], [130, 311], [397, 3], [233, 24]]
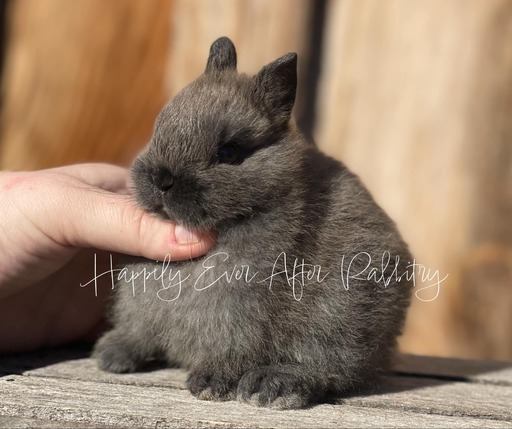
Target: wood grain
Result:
[[414, 97], [83, 80], [52, 388], [133, 406], [473, 371], [30, 422]]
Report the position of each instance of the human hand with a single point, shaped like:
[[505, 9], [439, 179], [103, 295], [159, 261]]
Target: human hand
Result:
[[51, 224]]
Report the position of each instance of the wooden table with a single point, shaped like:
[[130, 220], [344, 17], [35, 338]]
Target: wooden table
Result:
[[63, 388]]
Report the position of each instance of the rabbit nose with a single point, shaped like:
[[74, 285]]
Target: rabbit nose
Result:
[[163, 179]]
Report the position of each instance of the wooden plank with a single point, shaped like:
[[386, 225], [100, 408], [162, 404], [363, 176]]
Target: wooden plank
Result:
[[72, 363], [411, 394], [73, 95], [439, 397], [397, 103], [89, 402], [28, 423], [493, 372], [86, 370], [400, 393]]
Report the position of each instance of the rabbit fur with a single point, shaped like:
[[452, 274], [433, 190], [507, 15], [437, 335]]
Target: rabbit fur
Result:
[[307, 288]]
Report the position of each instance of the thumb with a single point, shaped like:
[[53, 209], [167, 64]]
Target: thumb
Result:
[[114, 222]]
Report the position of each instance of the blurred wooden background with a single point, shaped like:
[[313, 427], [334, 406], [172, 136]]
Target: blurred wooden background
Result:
[[414, 96]]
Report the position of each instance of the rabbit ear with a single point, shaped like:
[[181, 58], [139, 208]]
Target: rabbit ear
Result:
[[276, 84], [222, 56]]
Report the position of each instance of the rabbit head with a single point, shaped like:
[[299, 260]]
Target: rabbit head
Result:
[[224, 148]]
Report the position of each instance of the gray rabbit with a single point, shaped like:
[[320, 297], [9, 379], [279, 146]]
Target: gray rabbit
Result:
[[309, 282]]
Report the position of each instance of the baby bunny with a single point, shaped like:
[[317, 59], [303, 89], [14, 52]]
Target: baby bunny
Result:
[[307, 288]]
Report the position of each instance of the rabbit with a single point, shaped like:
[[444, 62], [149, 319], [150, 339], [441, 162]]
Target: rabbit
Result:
[[307, 288]]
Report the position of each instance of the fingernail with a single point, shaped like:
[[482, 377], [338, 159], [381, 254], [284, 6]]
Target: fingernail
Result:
[[185, 236]]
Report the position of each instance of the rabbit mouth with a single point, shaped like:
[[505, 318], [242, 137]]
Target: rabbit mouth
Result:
[[187, 216]]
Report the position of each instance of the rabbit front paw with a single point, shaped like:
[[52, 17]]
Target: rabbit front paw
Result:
[[115, 355], [279, 386], [211, 387]]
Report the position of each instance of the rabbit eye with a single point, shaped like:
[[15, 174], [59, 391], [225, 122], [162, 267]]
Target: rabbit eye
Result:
[[227, 154]]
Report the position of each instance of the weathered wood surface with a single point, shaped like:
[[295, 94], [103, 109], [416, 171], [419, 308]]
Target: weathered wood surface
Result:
[[63, 388], [475, 371]]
